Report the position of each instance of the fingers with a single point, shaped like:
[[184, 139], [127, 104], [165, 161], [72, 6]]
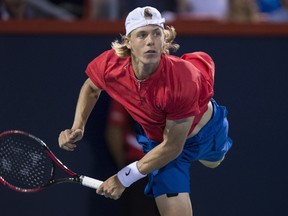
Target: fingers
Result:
[[76, 135], [109, 194], [67, 138], [111, 189], [68, 147]]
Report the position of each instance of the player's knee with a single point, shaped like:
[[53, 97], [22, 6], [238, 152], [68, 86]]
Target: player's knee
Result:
[[211, 164]]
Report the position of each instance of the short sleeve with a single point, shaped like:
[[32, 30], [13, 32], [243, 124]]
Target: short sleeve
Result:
[[204, 63], [96, 69]]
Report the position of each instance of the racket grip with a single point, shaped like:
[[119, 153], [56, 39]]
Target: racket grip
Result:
[[90, 182]]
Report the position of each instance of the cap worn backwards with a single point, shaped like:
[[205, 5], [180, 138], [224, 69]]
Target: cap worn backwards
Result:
[[137, 18]]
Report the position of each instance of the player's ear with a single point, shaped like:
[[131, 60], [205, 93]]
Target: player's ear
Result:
[[127, 42]]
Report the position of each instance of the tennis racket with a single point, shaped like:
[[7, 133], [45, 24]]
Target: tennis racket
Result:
[[28, 165]]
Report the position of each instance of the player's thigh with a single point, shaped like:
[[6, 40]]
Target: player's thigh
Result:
[[176, 205]]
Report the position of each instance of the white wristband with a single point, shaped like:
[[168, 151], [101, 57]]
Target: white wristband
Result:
[[129, 174]]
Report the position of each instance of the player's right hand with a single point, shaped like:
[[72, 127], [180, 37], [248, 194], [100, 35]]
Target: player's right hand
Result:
[[68, 137]]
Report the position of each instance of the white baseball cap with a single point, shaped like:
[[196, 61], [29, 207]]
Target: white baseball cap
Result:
[[136, 19]]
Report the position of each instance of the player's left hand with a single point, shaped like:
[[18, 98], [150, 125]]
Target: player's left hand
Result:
[[111, 188]]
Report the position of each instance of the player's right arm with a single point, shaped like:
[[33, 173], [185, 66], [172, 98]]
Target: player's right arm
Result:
[[88, 97]]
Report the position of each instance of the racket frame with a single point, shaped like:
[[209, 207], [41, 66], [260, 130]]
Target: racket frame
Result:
[[74, 177]]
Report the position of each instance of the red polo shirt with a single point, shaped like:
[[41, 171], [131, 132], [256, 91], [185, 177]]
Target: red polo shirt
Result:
[[179, 88]]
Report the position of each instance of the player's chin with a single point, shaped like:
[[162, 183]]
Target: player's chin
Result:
[[152, 59]]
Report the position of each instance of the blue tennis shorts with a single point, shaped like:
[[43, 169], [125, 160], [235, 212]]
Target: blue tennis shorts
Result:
[[211, 144]]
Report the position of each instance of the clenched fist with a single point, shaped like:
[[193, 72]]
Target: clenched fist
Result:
[[68, 137]]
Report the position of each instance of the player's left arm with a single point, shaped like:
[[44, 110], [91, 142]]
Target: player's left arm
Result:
[[174, 137]]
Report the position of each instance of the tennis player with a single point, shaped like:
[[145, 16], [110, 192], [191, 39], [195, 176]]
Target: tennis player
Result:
[[172, 100]]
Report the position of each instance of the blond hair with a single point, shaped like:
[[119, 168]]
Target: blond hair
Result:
[[122, 50]]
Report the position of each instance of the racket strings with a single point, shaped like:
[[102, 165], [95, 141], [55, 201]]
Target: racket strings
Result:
[[23, 162]]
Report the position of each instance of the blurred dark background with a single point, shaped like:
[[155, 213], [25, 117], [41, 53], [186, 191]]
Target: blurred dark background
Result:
[[40, 78]]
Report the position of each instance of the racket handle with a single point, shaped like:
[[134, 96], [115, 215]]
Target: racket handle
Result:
[[90, 182]]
